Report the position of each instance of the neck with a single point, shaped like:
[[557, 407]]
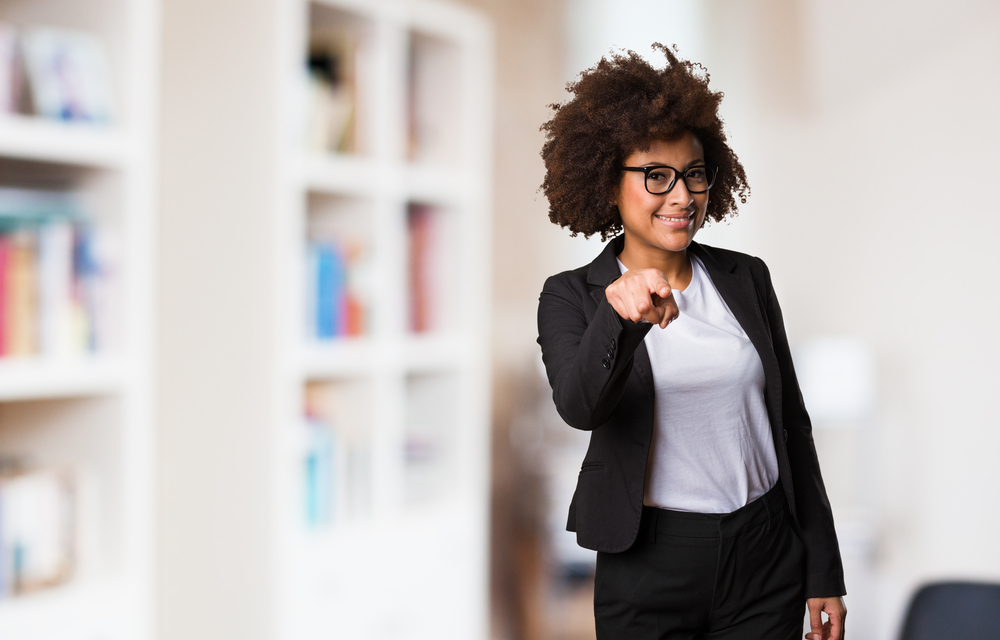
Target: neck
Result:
[[675, 265]]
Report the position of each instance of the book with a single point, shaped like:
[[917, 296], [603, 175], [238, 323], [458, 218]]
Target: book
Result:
[[21, 289], [320, 472], [37, 528], [10, 70], [68, 75], [419, 222], [330, 91]]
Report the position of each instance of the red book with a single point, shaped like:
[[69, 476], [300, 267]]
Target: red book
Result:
[[419, 222], [4, 246]]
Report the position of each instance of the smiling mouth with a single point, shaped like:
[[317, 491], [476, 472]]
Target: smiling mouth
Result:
[[676, 218]]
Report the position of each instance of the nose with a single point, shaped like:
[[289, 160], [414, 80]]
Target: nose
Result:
[[679, 196]]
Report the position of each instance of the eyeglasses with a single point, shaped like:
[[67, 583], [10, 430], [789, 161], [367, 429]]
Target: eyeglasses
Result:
[[661, 179]]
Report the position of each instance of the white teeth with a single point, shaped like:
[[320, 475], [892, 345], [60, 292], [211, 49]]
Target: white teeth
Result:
[[675, 219]]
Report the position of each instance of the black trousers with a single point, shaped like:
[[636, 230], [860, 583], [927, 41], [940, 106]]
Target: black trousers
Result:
[[735, 576]]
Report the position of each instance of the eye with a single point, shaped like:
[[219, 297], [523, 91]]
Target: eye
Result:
[[697, 173], [659, 175]]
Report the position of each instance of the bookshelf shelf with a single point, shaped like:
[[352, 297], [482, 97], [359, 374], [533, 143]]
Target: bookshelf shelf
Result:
[[404, 404], [337, 358], [443, 185], [353, 357], [434, 352], [37, 378], [339, 174], [34, 138]]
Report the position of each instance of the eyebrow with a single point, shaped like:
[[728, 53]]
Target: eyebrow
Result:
[[694, 163]]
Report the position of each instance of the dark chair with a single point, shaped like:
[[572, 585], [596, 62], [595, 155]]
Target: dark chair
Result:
[[954, 611]]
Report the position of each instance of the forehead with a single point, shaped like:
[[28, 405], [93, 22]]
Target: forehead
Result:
[[681, 149]]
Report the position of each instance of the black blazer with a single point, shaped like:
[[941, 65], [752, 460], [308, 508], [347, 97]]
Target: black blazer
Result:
[[602, 382]]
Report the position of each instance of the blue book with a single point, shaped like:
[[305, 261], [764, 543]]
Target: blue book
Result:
[[323, 268], [331, 280], [319, 473]]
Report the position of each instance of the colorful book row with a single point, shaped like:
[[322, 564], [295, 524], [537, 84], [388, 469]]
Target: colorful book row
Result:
[[335, 301], [335, 456], [55, 277]]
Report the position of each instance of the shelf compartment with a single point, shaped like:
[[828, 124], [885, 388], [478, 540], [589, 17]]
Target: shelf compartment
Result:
[[83, 439], [430, 463], [337, 266], [336, 95], [92, 39], [433, 269], [334, 456], [61, 231], [434, 108]]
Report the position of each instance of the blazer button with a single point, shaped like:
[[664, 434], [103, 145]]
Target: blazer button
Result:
[[613, 345], [611, 353], [784, 432], [606, 363]]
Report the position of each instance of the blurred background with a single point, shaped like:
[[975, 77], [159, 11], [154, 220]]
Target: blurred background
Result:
[[268, 281]]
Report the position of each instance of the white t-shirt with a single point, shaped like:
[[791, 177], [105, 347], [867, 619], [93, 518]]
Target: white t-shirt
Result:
[[712, 450]]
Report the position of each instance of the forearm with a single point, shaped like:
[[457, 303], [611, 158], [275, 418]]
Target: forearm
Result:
[[587, 362]]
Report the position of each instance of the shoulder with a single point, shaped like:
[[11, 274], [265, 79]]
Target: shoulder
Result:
[[574, 278]]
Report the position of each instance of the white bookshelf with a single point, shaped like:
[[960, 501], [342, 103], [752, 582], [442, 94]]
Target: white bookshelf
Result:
[[405, 552], [91, 414]]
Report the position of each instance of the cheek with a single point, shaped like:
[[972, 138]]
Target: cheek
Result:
[[702, 209]]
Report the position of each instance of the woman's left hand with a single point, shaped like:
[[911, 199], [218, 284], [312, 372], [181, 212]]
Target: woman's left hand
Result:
[[833, 628]]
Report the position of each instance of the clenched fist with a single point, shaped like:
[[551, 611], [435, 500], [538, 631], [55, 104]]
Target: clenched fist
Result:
[[643, 294]]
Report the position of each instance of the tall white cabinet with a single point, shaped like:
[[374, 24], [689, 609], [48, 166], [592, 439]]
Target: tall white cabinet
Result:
[[89, 414], [381, 426]]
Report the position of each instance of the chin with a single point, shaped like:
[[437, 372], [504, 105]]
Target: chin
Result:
[[678, 241]]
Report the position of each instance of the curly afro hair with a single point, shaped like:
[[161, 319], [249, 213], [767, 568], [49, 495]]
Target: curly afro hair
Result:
[[621, 106]]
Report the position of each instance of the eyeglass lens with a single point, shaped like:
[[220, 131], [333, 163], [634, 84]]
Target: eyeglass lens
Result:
[[661, 179]]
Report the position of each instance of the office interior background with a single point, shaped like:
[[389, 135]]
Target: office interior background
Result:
[[268, 278]]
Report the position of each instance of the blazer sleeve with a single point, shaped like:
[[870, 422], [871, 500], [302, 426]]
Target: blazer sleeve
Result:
[[824, 569], [587, 349]]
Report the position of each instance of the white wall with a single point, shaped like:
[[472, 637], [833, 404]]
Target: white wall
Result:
[[855, 121]]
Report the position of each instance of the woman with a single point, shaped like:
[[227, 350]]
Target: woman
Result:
[[701, 489]]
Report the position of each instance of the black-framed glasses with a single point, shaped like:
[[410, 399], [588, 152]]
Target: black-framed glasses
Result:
[[661, 179]]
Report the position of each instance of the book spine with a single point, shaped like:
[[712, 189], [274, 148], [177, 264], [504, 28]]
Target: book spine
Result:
[[22, 338], [55, 287], [4, 306], [324, 269], [419, 223]]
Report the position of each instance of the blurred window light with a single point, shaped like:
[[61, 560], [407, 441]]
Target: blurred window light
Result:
[[593, 27], [837, 378]]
